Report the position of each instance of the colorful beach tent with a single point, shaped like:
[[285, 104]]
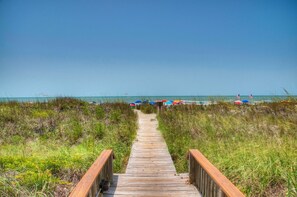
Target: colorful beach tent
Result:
[[238, 102]]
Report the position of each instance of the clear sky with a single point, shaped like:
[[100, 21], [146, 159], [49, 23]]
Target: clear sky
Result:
[[147, 47]]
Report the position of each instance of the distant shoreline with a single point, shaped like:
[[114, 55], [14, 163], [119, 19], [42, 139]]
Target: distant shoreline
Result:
[[129, 99]]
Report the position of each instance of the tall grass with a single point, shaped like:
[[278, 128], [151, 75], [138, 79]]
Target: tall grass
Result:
[[254, 146], [45, 148], [148, 109]]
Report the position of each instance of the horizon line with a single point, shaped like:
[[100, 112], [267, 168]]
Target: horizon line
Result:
[[144, 96]]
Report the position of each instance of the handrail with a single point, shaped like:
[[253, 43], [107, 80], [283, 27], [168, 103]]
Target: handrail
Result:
[[97, 178], [208, 179]]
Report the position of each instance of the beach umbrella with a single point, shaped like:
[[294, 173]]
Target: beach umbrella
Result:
[[152, 103], [138, 101], [245, 101], [164, 100], [176, 102], [168, 103], [132, 104], [238, 102]]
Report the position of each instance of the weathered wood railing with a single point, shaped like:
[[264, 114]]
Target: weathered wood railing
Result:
[[97, 178], [208, 179]]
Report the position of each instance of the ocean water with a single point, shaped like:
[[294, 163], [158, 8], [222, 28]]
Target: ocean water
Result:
[[130, 99]]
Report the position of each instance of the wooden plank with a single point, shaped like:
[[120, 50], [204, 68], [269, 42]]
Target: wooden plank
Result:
[[152, 146], [152, 167], [149, 150], [149, 160], [152, 188], [125, 177], [224, 183], [152, 192], [148, 195], [149, 183], [155, 172], [152, 170], [153, 155], [149, 174], [149, 157]]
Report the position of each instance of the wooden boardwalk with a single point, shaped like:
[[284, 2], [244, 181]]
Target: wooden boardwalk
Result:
[[150, 170]]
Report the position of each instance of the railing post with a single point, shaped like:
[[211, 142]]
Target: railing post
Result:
[[110, 169], [192, 173]]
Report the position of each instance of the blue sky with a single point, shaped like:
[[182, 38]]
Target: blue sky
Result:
[[103, 48]]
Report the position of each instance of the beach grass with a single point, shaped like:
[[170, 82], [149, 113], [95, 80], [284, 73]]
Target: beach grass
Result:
[[46, 147], [148, 109], [253, 145]]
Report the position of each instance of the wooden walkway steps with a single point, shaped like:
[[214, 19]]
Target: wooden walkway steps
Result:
[[150, 170]]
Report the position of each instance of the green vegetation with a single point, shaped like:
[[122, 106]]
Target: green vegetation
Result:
[[148, 109], [45, 148], [253, 145]]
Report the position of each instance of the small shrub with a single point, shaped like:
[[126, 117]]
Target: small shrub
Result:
[[7, 115], [74, 132], [115, 116], [99, 111], [67, 103], [16, 139], [42, 114], [98, 130], [36, 180]]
